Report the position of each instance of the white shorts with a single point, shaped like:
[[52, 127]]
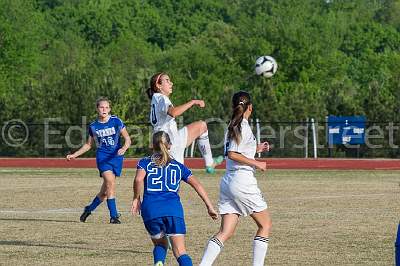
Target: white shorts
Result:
[[178, 146], [240, 194]]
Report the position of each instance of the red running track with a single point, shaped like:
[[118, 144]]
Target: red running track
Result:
[[197, 163]]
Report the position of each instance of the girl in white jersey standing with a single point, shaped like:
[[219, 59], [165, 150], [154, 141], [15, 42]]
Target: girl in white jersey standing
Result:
[[239, 193], [162, 118]]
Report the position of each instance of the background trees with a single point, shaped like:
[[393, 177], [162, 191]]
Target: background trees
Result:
[[335, 57]]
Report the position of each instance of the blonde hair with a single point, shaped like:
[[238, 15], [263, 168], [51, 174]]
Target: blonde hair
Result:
[[102, 99], [161, 142]]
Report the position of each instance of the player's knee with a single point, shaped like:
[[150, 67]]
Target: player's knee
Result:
[[102, 195], [269, 224], [110, 183], [203, 126], [225, 235], [103, 192], [179, 251], [266, 226], [110, 188]]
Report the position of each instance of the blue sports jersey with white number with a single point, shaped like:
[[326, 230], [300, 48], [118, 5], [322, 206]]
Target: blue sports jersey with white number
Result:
[[107, 135], [161, 187]]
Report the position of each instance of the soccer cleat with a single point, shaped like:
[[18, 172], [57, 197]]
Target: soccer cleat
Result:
[[115, 220], [84, 215], [210, 170], [159, 263], [217, 161]]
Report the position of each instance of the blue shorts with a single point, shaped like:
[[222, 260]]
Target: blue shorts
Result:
[[168, 225], [110, 163]]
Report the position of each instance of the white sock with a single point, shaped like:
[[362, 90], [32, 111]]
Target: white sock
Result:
[[205, 148], [260, 247], [213, 248]]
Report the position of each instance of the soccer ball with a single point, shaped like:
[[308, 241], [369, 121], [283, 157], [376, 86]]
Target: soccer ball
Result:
[[266, 66]]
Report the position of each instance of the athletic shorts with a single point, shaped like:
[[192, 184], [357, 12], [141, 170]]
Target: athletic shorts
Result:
[[240, 194], [178, 146], [168, 225], [110, 163]]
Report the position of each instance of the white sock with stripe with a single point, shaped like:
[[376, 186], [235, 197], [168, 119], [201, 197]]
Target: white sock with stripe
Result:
[[260, 247], [213, 248]]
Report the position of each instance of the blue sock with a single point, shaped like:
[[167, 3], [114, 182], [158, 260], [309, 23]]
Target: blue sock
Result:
[[92, 206], [159, 253], [112, 207], [185, 260]]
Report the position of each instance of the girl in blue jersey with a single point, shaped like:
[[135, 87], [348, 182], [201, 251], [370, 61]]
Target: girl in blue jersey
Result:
[[162, 118], [159, 176], [105, 131]]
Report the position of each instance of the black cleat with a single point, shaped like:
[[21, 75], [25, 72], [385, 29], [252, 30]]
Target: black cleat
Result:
[[85, 215], [115, 220]]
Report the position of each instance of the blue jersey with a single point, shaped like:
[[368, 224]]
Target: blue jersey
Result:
[[107, 135], [161, 187]]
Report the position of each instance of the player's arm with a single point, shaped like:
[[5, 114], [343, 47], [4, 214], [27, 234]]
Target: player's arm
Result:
[[240, 158], [175, 111], [127, 141], [196, 185], [85, 147], [137, 189]]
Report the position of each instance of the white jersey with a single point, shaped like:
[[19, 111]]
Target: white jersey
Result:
[[247, 147], [159, 118], [239, 192]]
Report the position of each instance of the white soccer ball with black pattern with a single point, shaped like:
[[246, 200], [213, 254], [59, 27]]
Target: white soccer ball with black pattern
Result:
[[266, 66]]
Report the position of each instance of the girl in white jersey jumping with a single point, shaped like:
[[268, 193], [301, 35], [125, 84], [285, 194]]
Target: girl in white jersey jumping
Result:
[[239, 193], [162, 118]]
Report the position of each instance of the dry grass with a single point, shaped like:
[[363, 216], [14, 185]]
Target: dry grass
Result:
[[319, 218]]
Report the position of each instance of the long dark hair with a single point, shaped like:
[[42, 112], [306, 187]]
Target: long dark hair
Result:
[[240, 102], [161, 156], [154, 80]]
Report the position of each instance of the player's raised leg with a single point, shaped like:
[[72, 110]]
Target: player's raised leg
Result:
[[198, 130], [260, 242]]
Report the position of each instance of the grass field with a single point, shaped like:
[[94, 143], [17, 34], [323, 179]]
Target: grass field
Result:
[[319, 218]]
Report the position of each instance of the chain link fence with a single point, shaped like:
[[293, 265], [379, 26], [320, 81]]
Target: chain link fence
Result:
[[294, 139]]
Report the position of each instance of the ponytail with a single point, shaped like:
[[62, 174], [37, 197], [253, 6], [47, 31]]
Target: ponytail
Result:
[[161, 156], [240, 102], [154, 80]]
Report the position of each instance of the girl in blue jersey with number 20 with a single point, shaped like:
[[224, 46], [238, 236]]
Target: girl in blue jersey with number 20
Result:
[[106, 131], [160, 175]]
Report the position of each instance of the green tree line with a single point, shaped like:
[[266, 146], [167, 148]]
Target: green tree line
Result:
[[336, 57]]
